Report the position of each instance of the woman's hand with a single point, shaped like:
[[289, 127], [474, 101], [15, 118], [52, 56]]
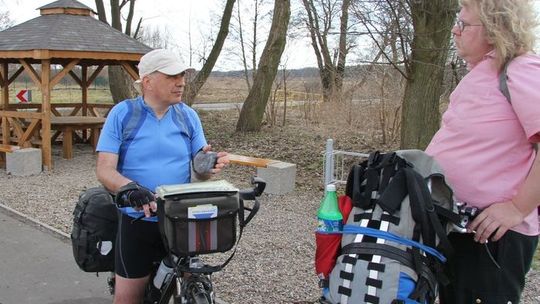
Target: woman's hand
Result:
[[495, 220]]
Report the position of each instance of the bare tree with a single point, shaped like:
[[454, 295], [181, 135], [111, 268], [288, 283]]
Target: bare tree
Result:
[[432, 22], [5, 20], [195, 85], [253, 109], [320, 21], [242, 46], [120, 82], [249, 23], [155, 37], [419, 33]]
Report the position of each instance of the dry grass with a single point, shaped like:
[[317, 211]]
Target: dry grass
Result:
[[302, 140]]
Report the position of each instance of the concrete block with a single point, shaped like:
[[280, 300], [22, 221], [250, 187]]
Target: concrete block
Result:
[[280, 177], [24, 162]]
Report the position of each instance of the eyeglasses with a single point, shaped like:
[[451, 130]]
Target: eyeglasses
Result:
[[462, 24]]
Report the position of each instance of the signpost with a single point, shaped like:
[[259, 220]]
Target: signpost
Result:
[[24, 96]]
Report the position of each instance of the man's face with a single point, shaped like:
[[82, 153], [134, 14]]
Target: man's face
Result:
[[471, 41], [165, 88]]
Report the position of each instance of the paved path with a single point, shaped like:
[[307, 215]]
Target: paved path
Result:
[[37, 266]]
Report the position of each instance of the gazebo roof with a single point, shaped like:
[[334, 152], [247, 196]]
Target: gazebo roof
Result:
[[68, 26], [65, 4]]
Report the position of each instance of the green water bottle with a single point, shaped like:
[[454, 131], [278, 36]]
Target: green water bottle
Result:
[[329, 217]]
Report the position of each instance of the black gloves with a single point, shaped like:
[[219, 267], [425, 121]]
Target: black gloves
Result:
[[204, 162], [133, 195]]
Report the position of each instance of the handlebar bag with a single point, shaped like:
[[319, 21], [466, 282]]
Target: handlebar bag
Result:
[[199, 218]]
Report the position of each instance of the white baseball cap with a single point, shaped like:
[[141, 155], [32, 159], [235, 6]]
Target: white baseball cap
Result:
[[160, 60]]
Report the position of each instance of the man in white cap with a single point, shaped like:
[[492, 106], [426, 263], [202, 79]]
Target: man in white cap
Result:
[[146, 142]]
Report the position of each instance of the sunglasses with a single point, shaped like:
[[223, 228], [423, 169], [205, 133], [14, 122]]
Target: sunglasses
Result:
[[462, 24]]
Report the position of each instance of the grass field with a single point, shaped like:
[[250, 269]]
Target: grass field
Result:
[[62, 94]]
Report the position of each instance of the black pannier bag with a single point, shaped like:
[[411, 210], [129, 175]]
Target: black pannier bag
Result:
[[95, 223], [199, 218]]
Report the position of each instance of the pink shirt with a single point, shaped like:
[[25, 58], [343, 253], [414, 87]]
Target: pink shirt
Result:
[[484, 144]]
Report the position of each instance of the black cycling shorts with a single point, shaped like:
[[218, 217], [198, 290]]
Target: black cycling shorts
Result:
[[138, 246]]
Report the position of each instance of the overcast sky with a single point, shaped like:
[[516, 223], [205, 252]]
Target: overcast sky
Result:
[[179, 18]]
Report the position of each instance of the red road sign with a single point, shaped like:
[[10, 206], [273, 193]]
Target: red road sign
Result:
[[25, 96]]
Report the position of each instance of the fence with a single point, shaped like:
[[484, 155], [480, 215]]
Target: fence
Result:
[[337, 163]]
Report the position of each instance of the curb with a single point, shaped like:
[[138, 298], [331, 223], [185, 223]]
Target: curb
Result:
[[25, 218]]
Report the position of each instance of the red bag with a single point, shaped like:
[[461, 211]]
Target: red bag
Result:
[[345, 206], [328, 245]]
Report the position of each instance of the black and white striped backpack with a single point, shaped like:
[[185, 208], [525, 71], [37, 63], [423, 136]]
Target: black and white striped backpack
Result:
[[395, 241]]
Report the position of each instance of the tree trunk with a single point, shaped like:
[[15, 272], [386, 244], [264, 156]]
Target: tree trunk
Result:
[[331, 71], [195, 85], [253, 109], [101, 11], [120, 83], [343, 47], [432, 22]]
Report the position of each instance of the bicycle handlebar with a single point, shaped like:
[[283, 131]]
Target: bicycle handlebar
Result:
[[252, 194]]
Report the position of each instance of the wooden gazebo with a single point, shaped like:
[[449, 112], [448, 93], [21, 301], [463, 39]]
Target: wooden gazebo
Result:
[[66, 34]]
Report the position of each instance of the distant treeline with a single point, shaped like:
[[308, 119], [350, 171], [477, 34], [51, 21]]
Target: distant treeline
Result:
[[103, 79]]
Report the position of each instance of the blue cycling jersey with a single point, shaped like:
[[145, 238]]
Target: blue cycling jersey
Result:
[[157, 151]]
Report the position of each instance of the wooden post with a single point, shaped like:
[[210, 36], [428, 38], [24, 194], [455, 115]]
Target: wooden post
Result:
[[84, 87], [5, 102], [46, 114], [5, 85]]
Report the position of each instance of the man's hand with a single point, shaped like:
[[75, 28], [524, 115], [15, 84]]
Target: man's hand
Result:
[[136, 196], [207, 162]]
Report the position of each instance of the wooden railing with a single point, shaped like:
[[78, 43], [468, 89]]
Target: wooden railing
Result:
[[65, 109], [21, 123], [21, 128]]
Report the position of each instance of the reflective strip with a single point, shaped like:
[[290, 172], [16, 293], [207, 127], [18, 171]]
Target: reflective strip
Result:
[[349, 267], [192, 236]]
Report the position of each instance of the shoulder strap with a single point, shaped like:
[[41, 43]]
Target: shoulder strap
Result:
[[503, 87], [133, 120], [503, 78], [181, 119], [131, 124]]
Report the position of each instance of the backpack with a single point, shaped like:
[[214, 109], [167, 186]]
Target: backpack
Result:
[[95, 221], [394, 239]]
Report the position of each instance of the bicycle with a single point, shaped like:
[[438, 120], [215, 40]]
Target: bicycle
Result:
[[187, 279]]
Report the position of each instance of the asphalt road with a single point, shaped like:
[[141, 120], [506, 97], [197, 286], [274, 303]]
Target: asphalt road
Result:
[[37, 266]]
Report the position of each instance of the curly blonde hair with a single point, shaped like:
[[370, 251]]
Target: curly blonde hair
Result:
[[509, 25]]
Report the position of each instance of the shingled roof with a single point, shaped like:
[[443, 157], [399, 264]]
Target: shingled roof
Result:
[[68, 25], [65, 4]]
